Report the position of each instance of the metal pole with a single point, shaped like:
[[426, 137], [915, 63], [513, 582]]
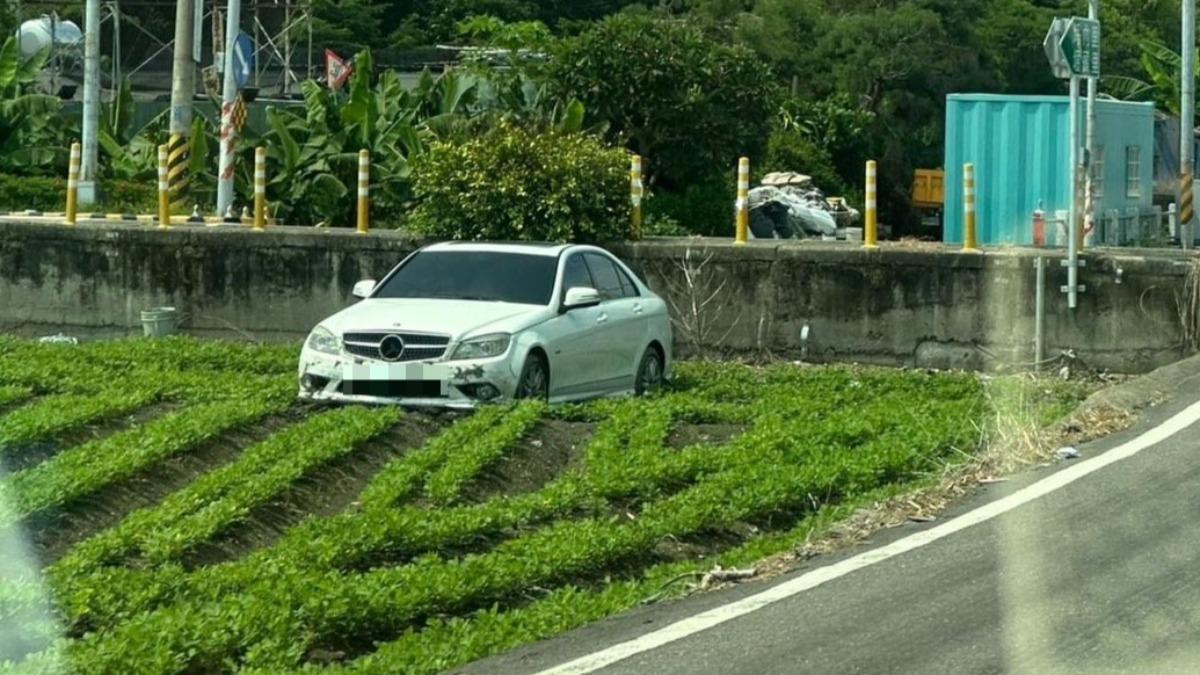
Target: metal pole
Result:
[[287, 46], [1072, 210], [91, 101], [260, 188], [1039, 309], [1187, 122], [164, 202], [1089, 205], [364, 191], [742, 205], [635, 196], [72, 185], [228, 94], [115, 8], [970, 236], [183, 89], [870, 224]]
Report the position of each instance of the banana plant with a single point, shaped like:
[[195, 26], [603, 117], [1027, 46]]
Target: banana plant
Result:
[[32, 132]]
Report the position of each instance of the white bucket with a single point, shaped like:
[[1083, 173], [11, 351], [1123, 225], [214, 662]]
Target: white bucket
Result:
[[158, 321]]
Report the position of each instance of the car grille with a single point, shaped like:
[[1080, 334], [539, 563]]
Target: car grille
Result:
[[394, 388], [417, 346]]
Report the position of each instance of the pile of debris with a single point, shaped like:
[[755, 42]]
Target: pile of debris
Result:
[[789, 205]]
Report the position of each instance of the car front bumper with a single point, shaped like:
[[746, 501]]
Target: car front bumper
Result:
[[445, 384]]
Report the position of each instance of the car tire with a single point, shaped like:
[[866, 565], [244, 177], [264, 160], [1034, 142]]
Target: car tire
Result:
[[649, 373], [534, 382]]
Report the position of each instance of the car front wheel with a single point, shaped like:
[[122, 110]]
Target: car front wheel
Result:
[[535, 378], [649, 372]]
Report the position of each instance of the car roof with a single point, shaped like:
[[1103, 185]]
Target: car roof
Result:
[[548, 249]]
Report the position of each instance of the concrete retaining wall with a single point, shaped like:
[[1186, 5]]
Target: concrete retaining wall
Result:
[[896, 305]]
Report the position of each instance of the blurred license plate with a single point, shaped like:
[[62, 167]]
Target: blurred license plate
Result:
[[395, 371]]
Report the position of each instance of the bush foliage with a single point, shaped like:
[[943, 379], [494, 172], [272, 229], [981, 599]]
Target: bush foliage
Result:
[[18, 193], [515, 184]]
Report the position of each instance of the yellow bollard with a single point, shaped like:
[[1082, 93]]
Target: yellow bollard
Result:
[[742, 222], [73, 184], [164, 196], [970, 242], [364, 184], [635, 195], [260, 188], [870, 217]]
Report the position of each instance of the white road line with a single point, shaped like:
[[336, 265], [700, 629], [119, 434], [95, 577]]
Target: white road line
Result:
[[716, 616]]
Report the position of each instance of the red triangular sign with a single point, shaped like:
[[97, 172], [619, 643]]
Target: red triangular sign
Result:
[[336, 70]]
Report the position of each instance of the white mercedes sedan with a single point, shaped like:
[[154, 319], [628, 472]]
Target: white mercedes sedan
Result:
[[459, 323]]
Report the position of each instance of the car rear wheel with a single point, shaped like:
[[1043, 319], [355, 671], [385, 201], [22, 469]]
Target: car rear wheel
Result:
[[535, 378], [649, 372]]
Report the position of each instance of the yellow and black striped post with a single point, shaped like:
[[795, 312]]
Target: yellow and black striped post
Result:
[[742, 205], [72, 184], [177, 165], [970, 241], [164, 200], [260, 188], [635, 195], [364, 193], [1187, 209], [870, 217]]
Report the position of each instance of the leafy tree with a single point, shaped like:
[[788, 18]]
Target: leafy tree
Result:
[[688, 104]]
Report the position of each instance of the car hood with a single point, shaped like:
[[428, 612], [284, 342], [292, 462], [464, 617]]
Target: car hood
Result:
[[456, 318]]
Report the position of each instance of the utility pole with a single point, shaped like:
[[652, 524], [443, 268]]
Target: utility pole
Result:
[[91, 101], [228, 94], [183, 90], [1187, 123], [1089, 155]]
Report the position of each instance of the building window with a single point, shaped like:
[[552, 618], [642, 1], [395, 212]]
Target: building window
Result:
[[1133, 171], [1098, 173]]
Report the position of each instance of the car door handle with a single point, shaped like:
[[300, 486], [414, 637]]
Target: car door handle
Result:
[[637, 309], [602, 318]]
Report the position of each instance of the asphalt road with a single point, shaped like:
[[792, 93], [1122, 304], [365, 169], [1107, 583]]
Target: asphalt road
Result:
[[1101, 575]]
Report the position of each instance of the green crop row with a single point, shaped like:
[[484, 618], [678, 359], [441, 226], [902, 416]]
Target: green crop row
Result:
[[625, 460], [81, 470], [400, 479], [10, 394], [227, 494], [315, 609], [445, 484], [59, 413]]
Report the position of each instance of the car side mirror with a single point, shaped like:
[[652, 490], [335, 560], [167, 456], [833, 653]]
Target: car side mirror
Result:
[[580, 296], [363, 288]]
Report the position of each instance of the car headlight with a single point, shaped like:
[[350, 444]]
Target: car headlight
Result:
[[482, 347], [323, 340]]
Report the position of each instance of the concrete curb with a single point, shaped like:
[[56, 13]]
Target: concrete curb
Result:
[[1146, 390]]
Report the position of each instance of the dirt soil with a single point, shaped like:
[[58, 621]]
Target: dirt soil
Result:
[[544, 453]]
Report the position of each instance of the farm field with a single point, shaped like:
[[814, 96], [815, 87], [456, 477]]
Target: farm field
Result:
[[178, 511]]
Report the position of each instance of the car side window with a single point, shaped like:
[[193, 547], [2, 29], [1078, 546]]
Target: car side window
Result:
[[608, 278], [627, 285], [575, 273]]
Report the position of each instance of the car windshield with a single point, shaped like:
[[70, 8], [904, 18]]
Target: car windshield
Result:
[[474, 275]]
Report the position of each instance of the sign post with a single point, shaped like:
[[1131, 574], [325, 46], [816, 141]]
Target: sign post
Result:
[[1073, 48]]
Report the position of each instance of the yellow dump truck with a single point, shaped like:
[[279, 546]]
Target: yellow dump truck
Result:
[[929, 196]]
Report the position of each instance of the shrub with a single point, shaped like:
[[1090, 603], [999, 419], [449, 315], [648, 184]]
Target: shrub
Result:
[[513, 183], [705, 207], [790, 151], [18, 193]]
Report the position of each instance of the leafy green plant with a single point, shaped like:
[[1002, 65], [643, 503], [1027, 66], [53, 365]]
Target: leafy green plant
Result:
[[512, 183], [31, 129]]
